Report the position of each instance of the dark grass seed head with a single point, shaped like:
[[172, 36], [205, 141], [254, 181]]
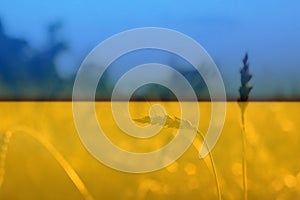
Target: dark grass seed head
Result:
[[246, 76]]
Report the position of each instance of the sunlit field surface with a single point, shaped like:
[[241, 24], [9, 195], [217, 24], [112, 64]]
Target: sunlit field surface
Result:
[[42, 157]]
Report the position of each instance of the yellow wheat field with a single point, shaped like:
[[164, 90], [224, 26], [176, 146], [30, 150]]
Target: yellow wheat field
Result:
[[42, 157]]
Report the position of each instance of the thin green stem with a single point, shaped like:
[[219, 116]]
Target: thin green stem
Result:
[[3, 154], [244, 151], [245, 185], [214, 169]]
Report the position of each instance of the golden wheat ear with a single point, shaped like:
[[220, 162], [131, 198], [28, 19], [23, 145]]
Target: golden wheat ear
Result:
[[144, 120]]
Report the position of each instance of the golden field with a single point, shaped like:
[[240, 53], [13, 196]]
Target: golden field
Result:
[[42, 157]]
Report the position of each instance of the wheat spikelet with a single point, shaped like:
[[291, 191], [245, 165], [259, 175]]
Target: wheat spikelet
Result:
[[246, 76], [244, 92], [177, 123]]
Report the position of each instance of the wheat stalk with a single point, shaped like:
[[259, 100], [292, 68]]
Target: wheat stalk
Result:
[[244, 92], [177, 123], [213, 168], [3, 153], [52, 150]]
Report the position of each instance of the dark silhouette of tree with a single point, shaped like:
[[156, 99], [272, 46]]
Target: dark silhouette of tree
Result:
[[26, 73], [12, 56]]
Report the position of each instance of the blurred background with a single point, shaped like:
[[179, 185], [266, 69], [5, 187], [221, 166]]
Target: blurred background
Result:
[[42, 44]]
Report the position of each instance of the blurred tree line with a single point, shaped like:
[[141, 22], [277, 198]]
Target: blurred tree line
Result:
[[30, 74], [26, 73]]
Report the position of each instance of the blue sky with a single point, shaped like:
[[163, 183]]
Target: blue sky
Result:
[[268, 30]]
